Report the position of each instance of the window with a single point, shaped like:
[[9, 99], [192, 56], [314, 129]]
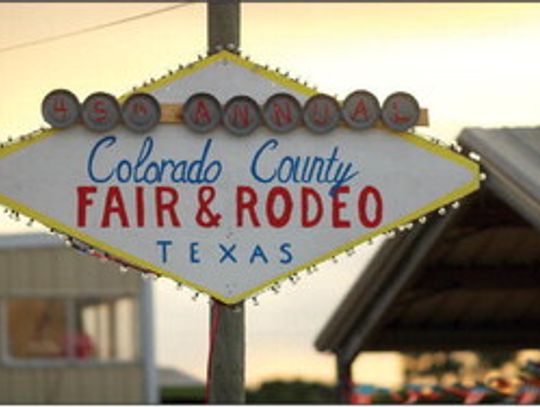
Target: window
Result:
[[106, 329], [37, 328], [82, 329]]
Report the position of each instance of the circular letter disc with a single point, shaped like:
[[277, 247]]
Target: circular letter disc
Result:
[[282, 113], [400, 111], [361, 110], [322, 114], [201, 112], [141, 112], [60, 108], [241, 115], [100, 112]]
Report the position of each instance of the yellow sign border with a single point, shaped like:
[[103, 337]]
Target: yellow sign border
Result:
[[443, 152]]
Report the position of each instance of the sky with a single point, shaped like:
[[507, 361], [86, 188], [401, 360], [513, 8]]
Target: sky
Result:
[[469, 64]]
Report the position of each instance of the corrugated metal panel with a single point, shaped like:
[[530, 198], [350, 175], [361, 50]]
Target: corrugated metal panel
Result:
[[463, 250], [515, 151], [22, 392], [41, 263], [510, 157], [29, 241], [115, 388], [5, 275], [511, 245], [5, 386], [61, 271], [66, 274], [42, 273], [40, 389], [86, 272], [133, 387], [66, 385], [21, 268], [71, 385], [92, 384], [420, 312], [529, 247]]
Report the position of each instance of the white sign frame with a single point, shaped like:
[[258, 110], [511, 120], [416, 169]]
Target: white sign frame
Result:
[[437, 160]]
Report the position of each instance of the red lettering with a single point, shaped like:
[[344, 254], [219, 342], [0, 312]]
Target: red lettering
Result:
[[278, 221], [360, 110], [205, 217], [60, 106], [321, 117], [241, 115], [164, 206], [202, 114], [114, 205], [83, 202], [282, 116], [306, 194], [140, 109], [398, 118], [246, 199], [139, 206], [375, 220], [337, 206], [98, 108]]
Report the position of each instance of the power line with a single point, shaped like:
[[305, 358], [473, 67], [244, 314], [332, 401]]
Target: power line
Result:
[[92, 28]]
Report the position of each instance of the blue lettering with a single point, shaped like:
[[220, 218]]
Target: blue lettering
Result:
[[258, 252], [164, 244], [198, 166], [317, 167], [343, 178], [194, 253], [303, 169], [285, 175], [145, 170], [123, 164], [152, 174], [207, 174], [285, 249], [144, 153], [106, 142], [227, 253], [271, 144]]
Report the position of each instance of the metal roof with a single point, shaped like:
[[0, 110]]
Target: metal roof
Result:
[[468, 280], [512, 157], [29, 241]]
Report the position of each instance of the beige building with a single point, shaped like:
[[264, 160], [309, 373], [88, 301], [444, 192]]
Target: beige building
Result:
[[73, 329]]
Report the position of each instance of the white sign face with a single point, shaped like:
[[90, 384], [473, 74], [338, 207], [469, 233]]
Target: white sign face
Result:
[[225, 214]]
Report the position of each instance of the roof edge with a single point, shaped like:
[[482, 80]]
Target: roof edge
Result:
[[28, 241]]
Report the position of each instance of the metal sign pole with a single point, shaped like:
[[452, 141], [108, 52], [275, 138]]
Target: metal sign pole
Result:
[[223, 22], [226, 370]]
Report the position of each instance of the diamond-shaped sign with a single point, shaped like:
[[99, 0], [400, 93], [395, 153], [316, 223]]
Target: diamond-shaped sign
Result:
[[225, 214]]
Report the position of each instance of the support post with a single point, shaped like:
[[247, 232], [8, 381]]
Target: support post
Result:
[[226, 368], [226, 375], [223, 22], [344, 380], [146, 322]]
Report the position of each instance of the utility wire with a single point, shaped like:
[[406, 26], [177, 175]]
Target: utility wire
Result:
[[93, 28]]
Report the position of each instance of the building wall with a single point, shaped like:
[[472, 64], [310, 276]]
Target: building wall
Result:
[[72, 385], [60, 272]]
